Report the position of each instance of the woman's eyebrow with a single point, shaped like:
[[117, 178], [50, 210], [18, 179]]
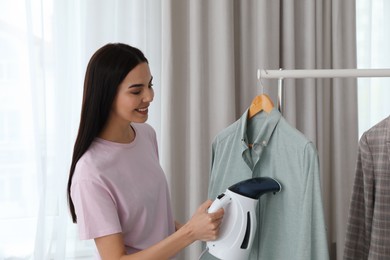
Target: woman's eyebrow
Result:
[[137, 85], [140, 84]]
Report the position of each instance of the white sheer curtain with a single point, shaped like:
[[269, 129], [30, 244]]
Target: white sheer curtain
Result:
[[44, 48], [373, 41]]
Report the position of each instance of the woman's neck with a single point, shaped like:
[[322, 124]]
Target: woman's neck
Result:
[[118, 134]]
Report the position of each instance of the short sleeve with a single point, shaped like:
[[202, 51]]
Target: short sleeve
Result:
[[96, 211]]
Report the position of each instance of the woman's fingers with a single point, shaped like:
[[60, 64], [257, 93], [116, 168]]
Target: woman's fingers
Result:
[[205, 205], [218, 214]]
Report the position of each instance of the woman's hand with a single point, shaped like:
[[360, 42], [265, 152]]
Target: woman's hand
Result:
[[204, 226]]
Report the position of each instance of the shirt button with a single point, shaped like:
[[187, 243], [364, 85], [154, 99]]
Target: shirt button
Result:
[[264, 143]]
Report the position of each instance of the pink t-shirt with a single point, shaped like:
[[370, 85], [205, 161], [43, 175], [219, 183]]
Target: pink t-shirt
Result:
[[122, 188]]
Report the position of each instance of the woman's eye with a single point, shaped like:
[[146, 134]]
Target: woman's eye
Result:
[[136, 92]]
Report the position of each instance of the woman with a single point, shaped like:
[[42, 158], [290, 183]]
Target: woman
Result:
[[117, 191]]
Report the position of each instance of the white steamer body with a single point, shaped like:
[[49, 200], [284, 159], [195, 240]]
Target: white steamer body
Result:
[[237, 229], [239, 222]]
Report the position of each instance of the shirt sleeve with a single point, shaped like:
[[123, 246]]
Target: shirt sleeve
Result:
[[361, 208], [313, 238], [95, 210]]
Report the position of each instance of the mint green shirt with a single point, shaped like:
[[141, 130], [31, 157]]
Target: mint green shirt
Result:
[[290, 224]]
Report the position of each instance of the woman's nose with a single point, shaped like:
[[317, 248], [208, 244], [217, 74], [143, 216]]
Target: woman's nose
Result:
[[149, 95]]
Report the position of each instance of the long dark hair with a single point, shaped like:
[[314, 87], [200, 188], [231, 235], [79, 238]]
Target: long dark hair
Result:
[[105, 71]]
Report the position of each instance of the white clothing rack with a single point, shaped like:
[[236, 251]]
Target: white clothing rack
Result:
[[317, 73], [324, 73]]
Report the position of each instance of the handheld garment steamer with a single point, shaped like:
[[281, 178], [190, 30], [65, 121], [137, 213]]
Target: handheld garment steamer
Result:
[[238, 226]]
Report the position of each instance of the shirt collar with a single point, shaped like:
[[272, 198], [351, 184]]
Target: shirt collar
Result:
[[264, 135], [388, 129]]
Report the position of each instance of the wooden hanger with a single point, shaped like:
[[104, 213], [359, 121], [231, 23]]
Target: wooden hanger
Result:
[[259, 103]]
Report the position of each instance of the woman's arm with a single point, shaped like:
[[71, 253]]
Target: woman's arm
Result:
[[178, 225], [202, 226]]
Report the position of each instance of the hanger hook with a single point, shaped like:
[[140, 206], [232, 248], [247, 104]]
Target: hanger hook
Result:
[[260, 81]]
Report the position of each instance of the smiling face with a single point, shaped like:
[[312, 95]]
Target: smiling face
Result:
[[135, 93]]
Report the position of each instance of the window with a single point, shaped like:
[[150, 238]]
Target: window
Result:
[[44, 49], [373, 41]]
